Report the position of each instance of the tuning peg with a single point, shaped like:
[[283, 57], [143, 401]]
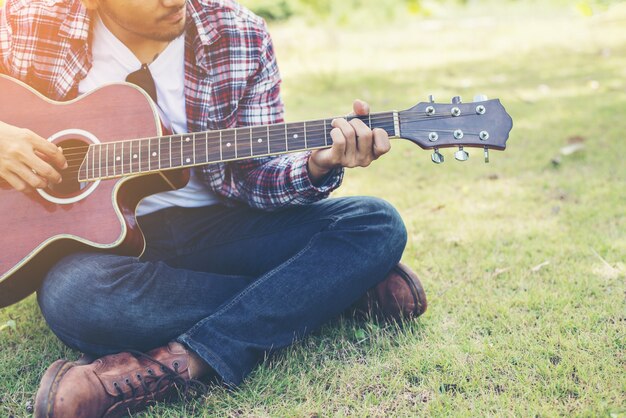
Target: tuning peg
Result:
[[486, 155], [480, 98], [437, 157], [456, 100], [461, 154], [431, 98]]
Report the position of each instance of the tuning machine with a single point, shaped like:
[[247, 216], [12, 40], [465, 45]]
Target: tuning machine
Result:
[[437, 157], [461, 154]]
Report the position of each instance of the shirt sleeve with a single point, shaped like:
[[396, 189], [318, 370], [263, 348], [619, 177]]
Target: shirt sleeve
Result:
[[5, 40], [271, 183]]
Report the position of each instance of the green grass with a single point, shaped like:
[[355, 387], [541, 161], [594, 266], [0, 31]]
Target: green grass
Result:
[[502, 336]]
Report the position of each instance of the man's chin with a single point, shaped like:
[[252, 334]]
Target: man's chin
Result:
[[169, 32]]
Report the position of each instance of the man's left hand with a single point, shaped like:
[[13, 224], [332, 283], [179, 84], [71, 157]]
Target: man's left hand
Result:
[[354, 145]]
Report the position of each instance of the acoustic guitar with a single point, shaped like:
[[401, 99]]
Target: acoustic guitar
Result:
[[118, 154]]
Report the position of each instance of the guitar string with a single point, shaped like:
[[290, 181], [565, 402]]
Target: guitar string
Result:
[[75, 169], [176, 153], [386, 117], [179, 154], [126, 168], [378, 117], [209, 137]]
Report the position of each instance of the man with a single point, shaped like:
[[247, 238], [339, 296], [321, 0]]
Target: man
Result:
[[244, 259]]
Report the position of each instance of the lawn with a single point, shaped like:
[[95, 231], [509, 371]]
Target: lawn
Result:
[[523, 259]]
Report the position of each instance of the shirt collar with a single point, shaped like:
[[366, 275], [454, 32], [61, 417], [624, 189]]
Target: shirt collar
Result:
[[77, 22], [206, 20]]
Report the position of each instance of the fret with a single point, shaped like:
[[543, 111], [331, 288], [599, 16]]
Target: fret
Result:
[[132, 158], [243, 142], [144, 155], [259, 140], [136, 156], [99, 160], [286, 138], [170, 153], [369, 116], [87, 162], [93, 161], [177, 151], [277, 138], [221, 152], [193, 148], [114, 159], [184, 155], [111, 160], [206, 147], [295, 136], [150, 154], [268, 140], [154, 150], [106, 161], [315, 134], [229, 150], [396, 124], [325, 133], [125, 168], [214, 146], [129, 153], [164, 154], [122, 162], [139, 160], [190, 148], [304, 128], [251, 147], [187, 144]]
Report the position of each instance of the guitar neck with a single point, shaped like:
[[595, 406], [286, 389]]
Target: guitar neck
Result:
[[150, 155]]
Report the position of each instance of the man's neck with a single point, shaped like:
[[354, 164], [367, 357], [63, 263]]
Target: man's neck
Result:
[[146, 50]]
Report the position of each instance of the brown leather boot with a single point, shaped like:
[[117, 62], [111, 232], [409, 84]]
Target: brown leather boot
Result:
[[400, 295], [113, 385]]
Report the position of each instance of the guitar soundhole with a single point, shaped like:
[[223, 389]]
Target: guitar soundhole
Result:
[[74, 151]]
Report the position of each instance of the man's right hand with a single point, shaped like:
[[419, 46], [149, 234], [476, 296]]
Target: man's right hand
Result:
[[28, 161]]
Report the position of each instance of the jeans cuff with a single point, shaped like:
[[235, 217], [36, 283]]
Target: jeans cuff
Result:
[[222, 369]]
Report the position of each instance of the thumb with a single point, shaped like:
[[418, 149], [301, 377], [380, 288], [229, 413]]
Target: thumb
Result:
[[360, 108]]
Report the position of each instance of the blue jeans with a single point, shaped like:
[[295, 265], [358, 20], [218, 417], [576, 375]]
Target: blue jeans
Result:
[[232, 284]]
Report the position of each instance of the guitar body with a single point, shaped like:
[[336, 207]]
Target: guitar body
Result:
[[38, 229]]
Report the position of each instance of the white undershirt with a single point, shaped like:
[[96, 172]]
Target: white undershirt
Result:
[[112, 62]]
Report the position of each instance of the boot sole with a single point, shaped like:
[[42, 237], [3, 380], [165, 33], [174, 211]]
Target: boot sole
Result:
[[419, 295], [44, 401]]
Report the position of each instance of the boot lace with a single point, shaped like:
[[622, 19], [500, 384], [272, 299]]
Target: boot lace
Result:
[[153, 384]]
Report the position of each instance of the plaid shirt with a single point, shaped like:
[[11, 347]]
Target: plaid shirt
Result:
[[231, 79]]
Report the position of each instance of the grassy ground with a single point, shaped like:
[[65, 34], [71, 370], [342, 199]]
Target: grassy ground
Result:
[[523, 258]]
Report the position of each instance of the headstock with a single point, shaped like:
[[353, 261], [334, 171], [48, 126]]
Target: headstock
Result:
[[482, 123]]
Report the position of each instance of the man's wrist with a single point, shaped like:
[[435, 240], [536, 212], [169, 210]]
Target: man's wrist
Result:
[[316, 173]]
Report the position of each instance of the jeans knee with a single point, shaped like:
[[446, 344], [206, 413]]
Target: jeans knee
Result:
[[70, 297], [58, 294], [384, 221], [393, 229]]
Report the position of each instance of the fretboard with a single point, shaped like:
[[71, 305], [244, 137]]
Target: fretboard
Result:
[[140, 156]]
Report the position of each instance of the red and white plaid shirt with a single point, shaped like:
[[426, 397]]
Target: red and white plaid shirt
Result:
[[231, 79]]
